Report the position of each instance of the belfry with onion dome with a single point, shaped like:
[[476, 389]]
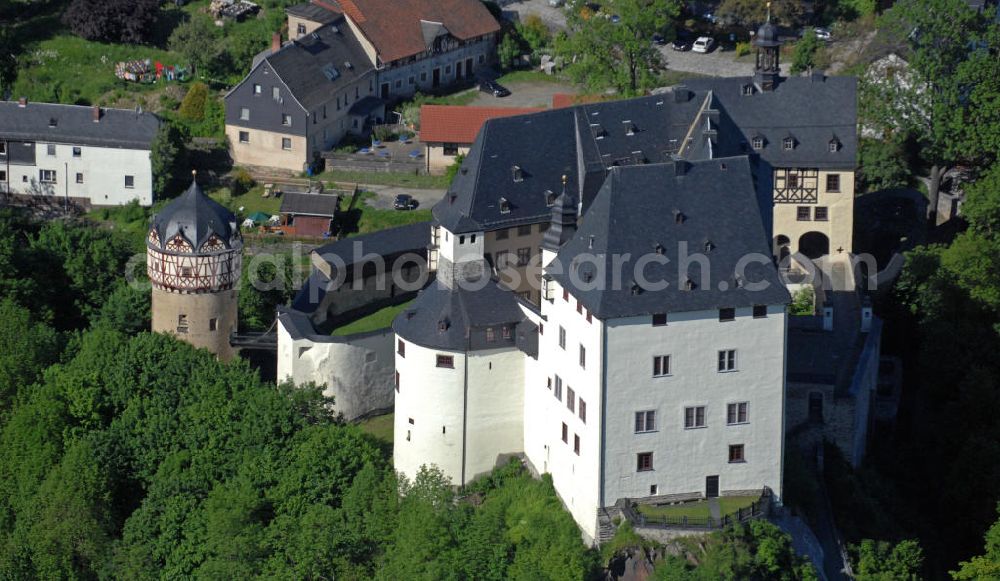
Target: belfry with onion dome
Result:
[[193, 259]]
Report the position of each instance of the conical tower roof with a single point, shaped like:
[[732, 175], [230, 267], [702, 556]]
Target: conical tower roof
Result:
[[196, 218]]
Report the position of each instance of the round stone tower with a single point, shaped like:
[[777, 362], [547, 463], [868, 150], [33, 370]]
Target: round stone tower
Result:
[[193, 258]]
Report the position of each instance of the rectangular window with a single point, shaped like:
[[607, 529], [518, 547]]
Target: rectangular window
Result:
[[694, 417], [645, 421], [727, 314], [727, 360], [182, 323], [736, 454], [562, 337], [570, 399], [286, 143], [802, 213], [583, 410], [759, 311], [129, 182], [213, 324], [400, 348], [565, 433], [300, 29], [832, 182], [576, 444], [3, 148], [244, 113], [79, 178], [661, 365], [583, 357], [503, 233], [579, 306], [410, 80], [397, 382], [452, 149], [490, 335], [256, 89], [47, 176], [505, 332], [50, 149], [286, 119], [3, 175], [276, 93], [736, 413], [659, 319], [793, 181], [503, 259], [399, 83], [446, 361], [524, 230], [423, 77], [244, 137], [643, 461], [557, 392], [523, 256], [77, 152], [566, 295], [820, 214]]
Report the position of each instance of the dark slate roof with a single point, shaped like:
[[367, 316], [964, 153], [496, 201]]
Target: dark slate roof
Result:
[[312, 293], [305, 64], [313, 12], [579, 142], [636, 210], [74, 124], [455, 319], [385, 243], [196, 217], [310, 204], [812, 110]]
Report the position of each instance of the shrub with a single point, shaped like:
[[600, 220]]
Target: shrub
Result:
[[742, 48], [126, 21], [242, 182], [193, 105], [804, 302]]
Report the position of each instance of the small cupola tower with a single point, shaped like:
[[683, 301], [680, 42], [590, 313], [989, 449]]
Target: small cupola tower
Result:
[[193, 259], [767, 69], [562, 225]]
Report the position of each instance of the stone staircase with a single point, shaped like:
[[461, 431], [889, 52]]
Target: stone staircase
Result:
[[605, 527]]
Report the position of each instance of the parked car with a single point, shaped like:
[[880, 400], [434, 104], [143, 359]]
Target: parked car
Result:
[[494, 88], [823, 34], [703, 44], [405, 202], [659, 40], [556, 3], [680, 45]]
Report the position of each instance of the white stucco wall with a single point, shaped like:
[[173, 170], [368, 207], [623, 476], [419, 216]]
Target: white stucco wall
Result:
[[576, 477], [683, 458], [460, 247], [103, 168], [433, 407]]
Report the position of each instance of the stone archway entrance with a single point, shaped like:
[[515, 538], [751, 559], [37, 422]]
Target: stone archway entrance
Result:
[[814, 245]]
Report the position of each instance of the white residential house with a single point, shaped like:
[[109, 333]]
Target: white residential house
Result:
[[90, 156]]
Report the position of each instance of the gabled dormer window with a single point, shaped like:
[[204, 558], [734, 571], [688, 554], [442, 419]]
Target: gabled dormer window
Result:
[[747, 89], [757, 142], [788, 143], [834, 145], [517, 173], [550, 198], [709, 246], [504, 206]]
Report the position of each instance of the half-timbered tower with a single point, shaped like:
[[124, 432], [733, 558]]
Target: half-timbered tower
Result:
[[193, 258]]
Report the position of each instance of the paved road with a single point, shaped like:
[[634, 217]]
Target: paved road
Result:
[[554, 18], [386, 195], [715, 64]]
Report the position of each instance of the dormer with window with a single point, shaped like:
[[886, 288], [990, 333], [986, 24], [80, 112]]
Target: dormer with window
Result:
[[517, 173], [746, 89], [834, 145], [550, 198], [504, 206], [757, 142], [788, 143]]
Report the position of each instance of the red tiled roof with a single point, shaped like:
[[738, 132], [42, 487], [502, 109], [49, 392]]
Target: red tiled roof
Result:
[[393, 26], [450, 124]]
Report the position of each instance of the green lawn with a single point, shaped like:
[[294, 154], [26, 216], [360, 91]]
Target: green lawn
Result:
[[698, 508], [531, 77], [250, 202], [379, 426], [380, 319], [438, 182]]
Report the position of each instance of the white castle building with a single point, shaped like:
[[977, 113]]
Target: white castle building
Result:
[[609, 302]]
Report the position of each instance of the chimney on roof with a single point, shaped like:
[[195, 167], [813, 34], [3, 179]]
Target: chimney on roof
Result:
[[682, 94], [96, 112], [22, 102], [276, 42], [680, 166]]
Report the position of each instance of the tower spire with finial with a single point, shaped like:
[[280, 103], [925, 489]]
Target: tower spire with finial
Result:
[[769, 12]]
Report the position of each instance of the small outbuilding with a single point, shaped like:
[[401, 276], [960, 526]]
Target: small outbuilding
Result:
[[308, 213]]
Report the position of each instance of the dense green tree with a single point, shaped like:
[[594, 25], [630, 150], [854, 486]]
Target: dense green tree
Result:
[[987, 565], [804, 56], [127, 309], [619, 54], [193, 105], [27, 347], [127, 21], [199, 41], [751, 14], [883, 165], [169, 161], [949, 48], [882, 561]]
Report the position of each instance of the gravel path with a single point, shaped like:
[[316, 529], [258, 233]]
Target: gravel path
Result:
[[554, 18], [525, 94], [714, 64]]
